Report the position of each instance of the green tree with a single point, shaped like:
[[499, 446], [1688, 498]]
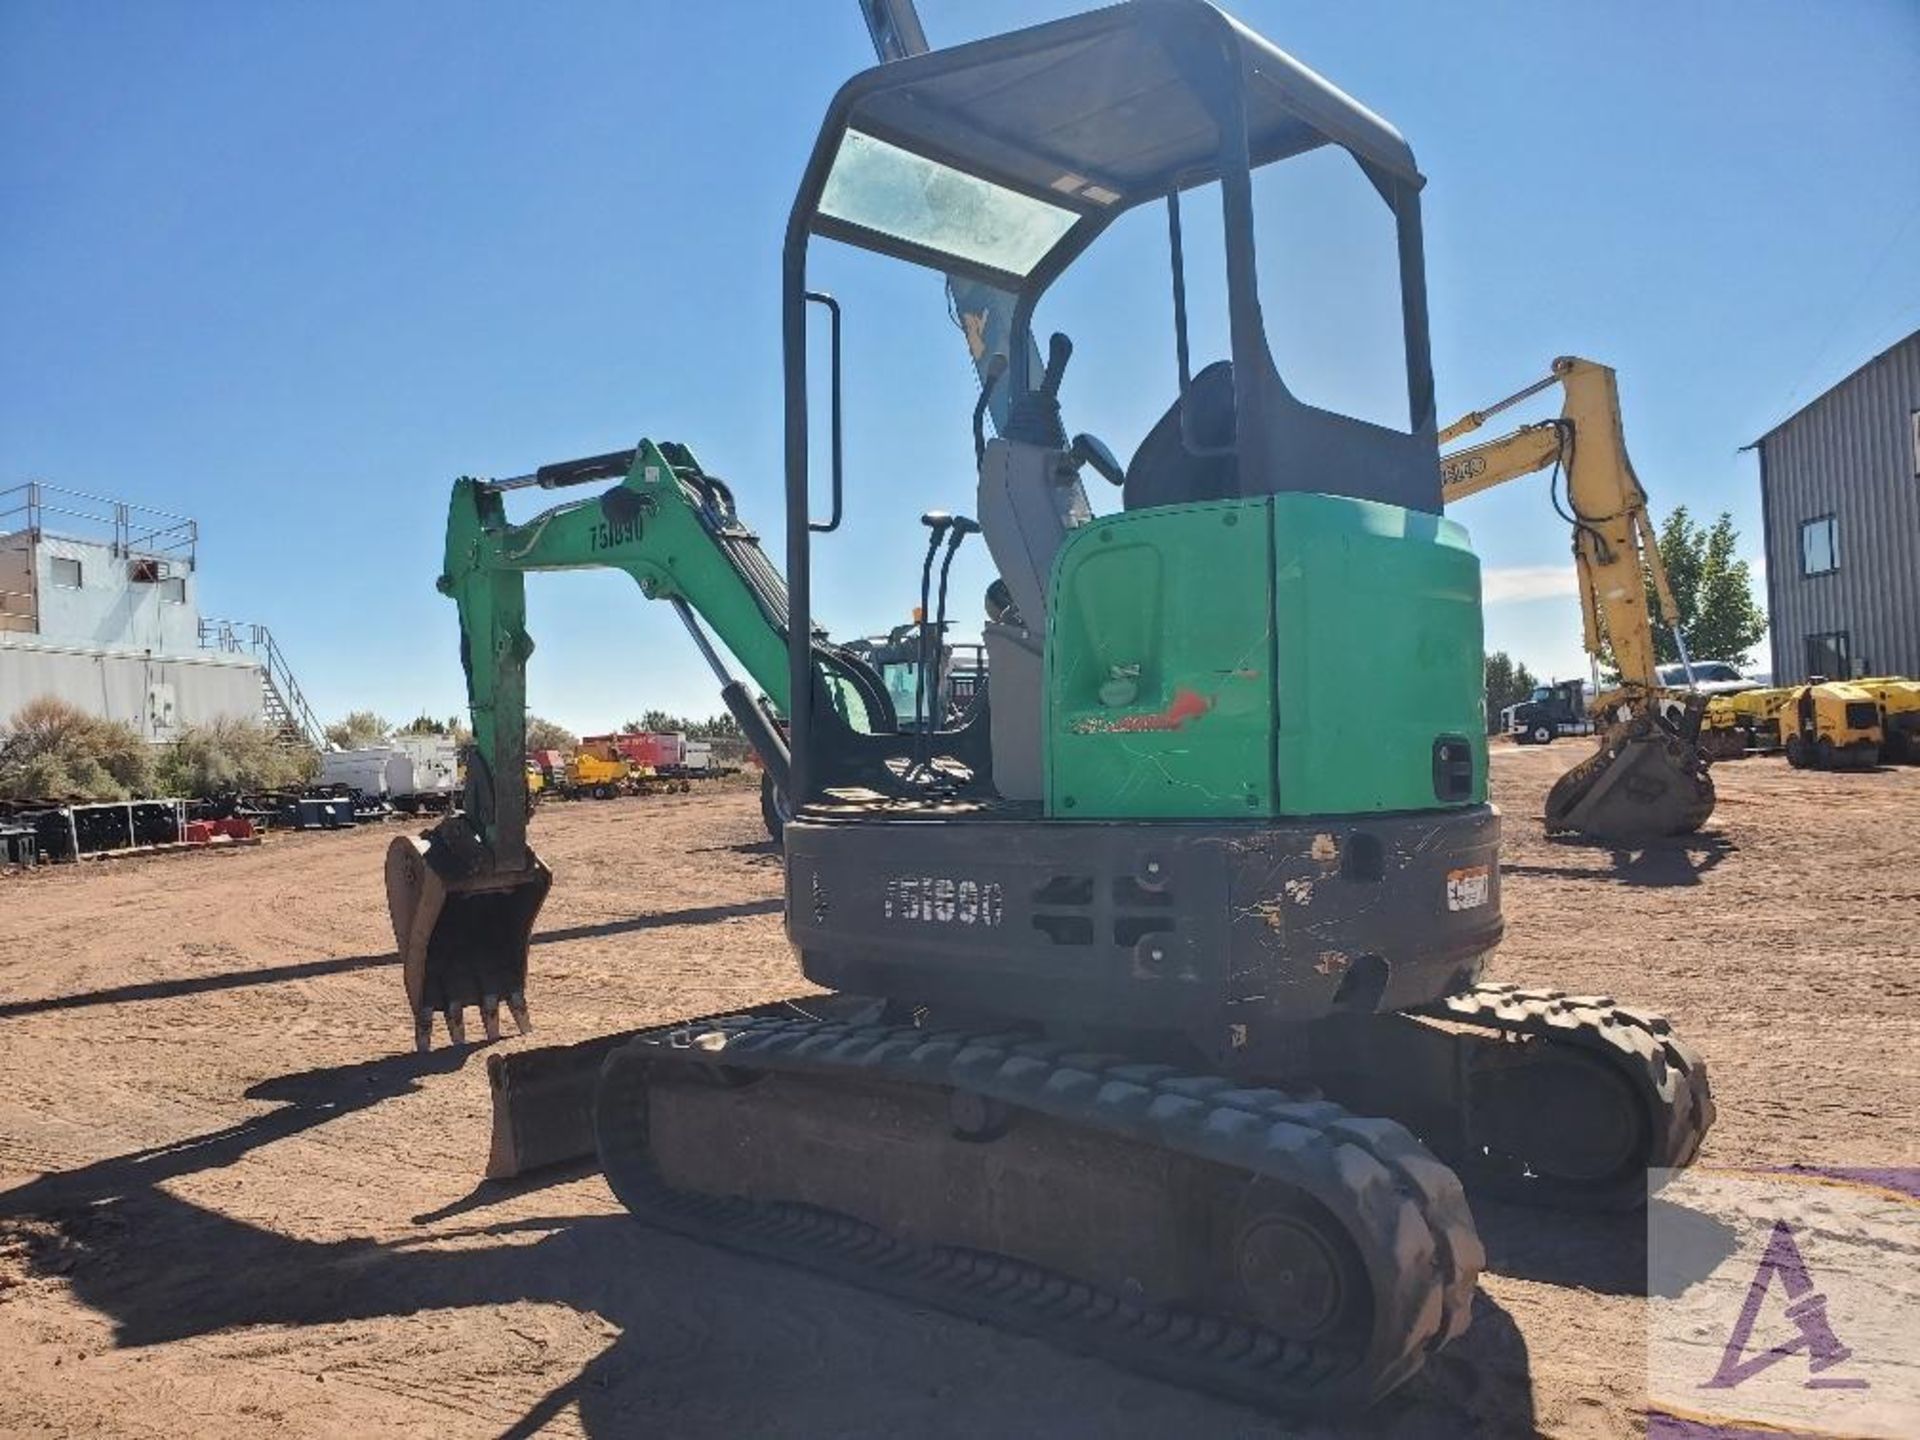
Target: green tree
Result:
[[360, 729], [453, 727], [543, 734], [1713, 588], [51, 750], [660, 722], [1508, 683]]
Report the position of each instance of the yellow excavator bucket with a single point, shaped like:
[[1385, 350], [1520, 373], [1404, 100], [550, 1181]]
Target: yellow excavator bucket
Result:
[[1647, 780], [462, 933]]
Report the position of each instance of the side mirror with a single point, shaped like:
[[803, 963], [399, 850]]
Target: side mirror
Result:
[[1091, 450]]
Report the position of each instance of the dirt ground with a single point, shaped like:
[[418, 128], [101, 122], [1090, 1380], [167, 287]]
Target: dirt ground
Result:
[[229, 1204]]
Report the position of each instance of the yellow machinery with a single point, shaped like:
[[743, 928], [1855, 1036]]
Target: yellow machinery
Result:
[[1737, 724], [600, 770], [1899, 702], [1649, 776], [1830, 725], [597, 775]]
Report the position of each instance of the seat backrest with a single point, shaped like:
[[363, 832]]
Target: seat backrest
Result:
[[1163, 471]]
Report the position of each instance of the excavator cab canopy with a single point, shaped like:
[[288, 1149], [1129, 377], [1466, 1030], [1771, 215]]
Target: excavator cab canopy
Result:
[[1003, 159], [1000, 162]]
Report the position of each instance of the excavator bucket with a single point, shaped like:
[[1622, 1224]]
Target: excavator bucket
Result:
[[1648, 780], [462, 933]]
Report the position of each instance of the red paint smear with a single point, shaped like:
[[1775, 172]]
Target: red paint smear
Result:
[[1186, 705]]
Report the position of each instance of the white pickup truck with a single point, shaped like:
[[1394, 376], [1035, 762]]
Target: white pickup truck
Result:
[[1710, 677]]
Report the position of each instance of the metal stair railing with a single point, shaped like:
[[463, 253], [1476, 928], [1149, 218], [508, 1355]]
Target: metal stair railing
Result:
[[286, 704]]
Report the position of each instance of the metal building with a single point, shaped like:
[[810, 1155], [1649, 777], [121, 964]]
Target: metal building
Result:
[[99, 608], [1840, 501]]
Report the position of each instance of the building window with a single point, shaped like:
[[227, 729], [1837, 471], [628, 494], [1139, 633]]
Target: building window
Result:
[[1830, 655], [174, 591], [1819, 546], [66, 573]]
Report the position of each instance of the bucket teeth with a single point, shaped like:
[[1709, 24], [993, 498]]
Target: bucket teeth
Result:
[[461, 927], [517, 1003]]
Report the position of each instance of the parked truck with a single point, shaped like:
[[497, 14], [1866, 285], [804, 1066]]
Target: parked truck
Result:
[[1548, 713]]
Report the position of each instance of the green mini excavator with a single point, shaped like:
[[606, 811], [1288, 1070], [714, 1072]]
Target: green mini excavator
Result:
[[1157, 1024]]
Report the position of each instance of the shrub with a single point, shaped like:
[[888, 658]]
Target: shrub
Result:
[[51, 750], [233, 755]]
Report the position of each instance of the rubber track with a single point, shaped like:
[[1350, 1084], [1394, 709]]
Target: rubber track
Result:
[[1405, 1211], [1669, 1075]]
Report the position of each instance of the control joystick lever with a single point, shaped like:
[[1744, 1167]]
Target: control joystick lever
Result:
[[954, 529], [1059, 352], [1034, 417]]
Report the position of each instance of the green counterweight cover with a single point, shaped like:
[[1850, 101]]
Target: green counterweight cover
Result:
[[1290, 654]]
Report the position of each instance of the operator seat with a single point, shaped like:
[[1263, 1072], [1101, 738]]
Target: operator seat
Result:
[[1164, 472]]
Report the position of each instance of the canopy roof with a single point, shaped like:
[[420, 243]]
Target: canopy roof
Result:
[[1087, 115]]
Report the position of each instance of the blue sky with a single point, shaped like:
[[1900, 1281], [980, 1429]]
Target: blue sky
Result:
[[291, 268]]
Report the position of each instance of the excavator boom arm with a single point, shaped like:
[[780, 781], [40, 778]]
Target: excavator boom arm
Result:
[[1648, 777], [464, 898], [666, 524], [1613, 538]]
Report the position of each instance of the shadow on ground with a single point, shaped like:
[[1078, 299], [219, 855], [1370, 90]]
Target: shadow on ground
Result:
[[708, 1343], [345, 964], [752, 849], [1604, 1253], [1659, 864]]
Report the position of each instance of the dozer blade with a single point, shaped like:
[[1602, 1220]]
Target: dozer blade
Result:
[[462, 934], [1646, 781], [543, 1097], [543, 1104]]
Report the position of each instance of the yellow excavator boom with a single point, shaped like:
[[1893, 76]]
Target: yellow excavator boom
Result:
[[1613, 538], [1649, 777]]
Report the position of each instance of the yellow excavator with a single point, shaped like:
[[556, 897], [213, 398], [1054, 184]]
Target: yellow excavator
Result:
[[1648, 777]]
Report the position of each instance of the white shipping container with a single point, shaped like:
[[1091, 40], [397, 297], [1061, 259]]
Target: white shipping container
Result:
[[405, 767], [371, 770], [430, 765]]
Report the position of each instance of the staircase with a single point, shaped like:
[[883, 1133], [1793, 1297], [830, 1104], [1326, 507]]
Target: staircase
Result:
[[285, 706]]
